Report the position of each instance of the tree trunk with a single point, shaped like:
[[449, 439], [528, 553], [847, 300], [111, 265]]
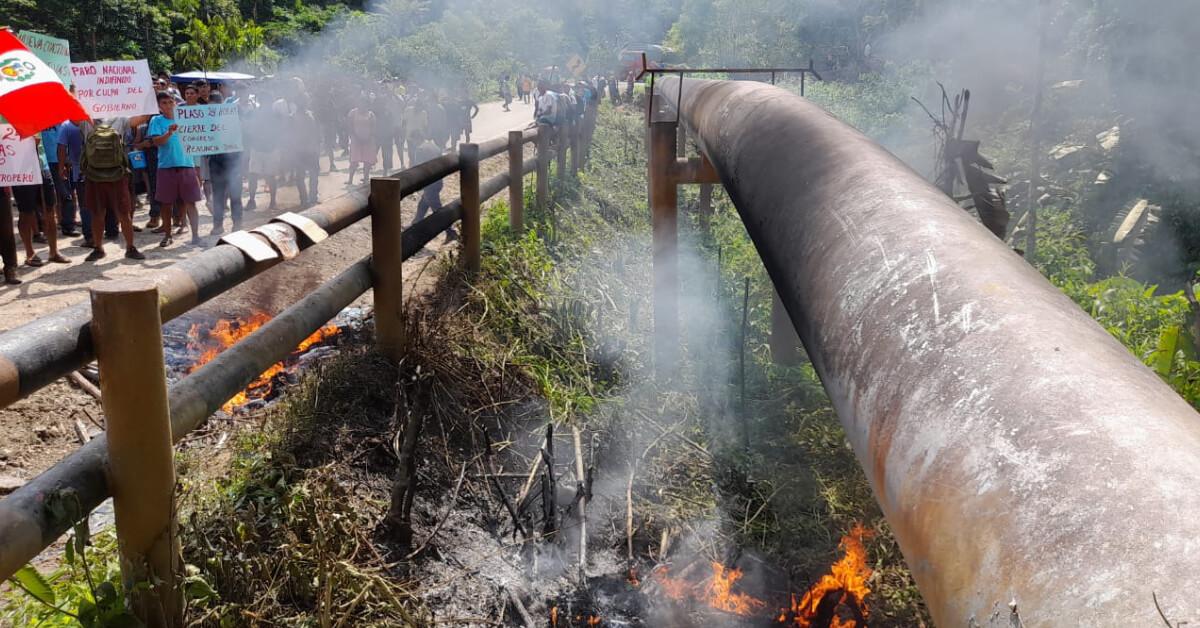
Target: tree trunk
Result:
[[1035, 149]]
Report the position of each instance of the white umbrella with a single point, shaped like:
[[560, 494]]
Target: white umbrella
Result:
[[187, 77]]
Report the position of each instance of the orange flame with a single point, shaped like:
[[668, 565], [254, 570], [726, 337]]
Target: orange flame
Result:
[[848, 575], [553, 617], [716, 591], [210, 342]]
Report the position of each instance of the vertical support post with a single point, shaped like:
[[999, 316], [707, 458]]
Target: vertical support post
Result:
[[785, 342], [593, 111], [681, 140], [127, 335], [468, 186], [387, 262], [560, 151], [543, 165], [516, 182], [664, 200], [706, 193], [575, 131]]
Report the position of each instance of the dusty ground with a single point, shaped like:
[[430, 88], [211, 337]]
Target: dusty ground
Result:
[[40, 430]]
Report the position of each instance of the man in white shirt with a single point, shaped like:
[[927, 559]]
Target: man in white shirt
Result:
[[546, 109]]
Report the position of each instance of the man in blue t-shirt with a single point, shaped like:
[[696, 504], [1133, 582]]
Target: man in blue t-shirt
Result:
[[66, 210], [177, 180]]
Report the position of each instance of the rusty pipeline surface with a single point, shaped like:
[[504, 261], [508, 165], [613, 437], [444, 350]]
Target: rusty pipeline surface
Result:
[[1029, 465], [41, 351]]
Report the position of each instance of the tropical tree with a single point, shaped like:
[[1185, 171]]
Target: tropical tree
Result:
[[213, 44]]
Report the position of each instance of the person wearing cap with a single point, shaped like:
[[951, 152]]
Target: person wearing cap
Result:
[[177, 178]]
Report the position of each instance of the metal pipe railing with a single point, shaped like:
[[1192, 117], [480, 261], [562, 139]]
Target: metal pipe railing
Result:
[[1034, 472], [27, 526], [41, 351]]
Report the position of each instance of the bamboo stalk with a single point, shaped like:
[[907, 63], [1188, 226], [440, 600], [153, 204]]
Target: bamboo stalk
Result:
[[581, 479], [742, 361], [508, 505]]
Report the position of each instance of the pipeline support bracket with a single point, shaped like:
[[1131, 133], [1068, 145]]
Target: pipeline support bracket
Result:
[[254, 248], [305, 226]]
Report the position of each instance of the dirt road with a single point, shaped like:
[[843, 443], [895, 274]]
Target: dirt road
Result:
[[40, 430]]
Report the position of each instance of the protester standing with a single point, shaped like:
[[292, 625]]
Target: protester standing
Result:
[[225, 170], [362, 139], [70, 154], [66, 211], [252, 155], [106, 170], [431, 195], [32, 200], [307, 151], [177, 178], [505, 92], [416, 126], [545, 110], [383, 106], [197, 93], [8, 244], [439, 123], [326, 115]]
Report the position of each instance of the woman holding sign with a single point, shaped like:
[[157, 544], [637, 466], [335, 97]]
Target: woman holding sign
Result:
[[177, 178]]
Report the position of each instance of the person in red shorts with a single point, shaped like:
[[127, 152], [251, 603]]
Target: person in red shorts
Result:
[[106, 171], [178, 181]]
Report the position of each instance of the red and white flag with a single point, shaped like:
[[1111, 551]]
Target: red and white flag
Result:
[[32, 96]]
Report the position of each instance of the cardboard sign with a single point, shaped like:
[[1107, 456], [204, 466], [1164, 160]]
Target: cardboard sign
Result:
[[53, 51], [209, 129], [19, 163], [114, 88], [576, 65]]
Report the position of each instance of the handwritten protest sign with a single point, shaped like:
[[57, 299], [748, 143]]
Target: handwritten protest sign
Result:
[[53, 51], [209, 129], [19, 163], [114, 88]]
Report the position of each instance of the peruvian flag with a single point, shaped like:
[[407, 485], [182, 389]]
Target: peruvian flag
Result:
[[32, 96]]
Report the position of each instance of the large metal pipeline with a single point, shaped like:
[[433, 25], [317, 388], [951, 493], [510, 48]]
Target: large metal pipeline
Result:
[[1028, 464]]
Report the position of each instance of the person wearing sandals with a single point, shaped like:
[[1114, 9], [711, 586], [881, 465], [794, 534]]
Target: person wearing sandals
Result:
[[177, 178], [32, 200], [106, 172], [8, 246]]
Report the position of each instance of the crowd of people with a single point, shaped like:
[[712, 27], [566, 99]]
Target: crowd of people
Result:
[[96, 173]]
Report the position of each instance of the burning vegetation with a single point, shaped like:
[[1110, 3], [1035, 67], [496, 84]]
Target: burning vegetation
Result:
[[837, 600], [845, 587], [206, 340]]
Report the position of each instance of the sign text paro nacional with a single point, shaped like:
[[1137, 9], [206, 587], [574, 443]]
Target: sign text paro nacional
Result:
[[114, 88]]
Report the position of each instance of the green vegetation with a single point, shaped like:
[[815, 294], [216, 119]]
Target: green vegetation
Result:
[[84, 589]]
